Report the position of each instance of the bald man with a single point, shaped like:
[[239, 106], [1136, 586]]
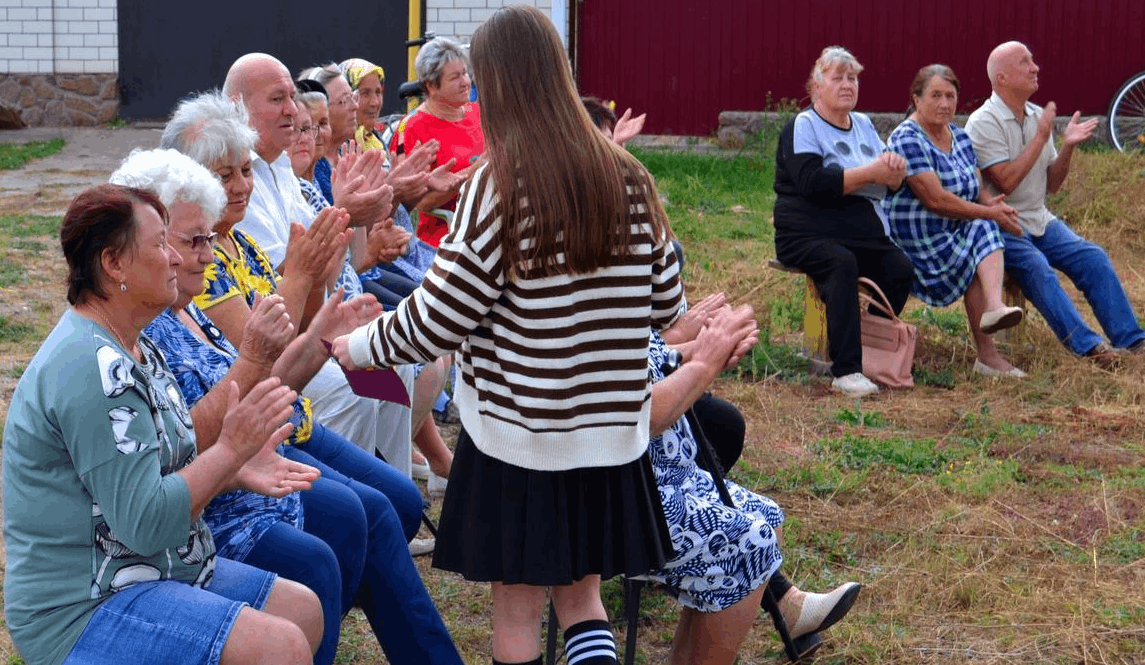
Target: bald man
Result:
[[1013, 140], [265, 88]]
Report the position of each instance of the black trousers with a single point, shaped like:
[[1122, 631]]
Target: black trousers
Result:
[[836, 266]]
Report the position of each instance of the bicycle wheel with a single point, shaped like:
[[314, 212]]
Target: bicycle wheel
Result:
[[1126, 118]]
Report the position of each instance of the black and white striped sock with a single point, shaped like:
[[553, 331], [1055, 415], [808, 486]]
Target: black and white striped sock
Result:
[[590, 643]]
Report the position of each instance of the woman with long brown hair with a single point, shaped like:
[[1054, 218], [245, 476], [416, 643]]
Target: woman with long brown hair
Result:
[[557, 264]]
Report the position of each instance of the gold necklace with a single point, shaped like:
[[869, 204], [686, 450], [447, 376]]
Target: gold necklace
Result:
[[103, 321]]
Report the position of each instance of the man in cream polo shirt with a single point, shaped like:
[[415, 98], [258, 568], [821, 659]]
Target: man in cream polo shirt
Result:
[[1013, 140]]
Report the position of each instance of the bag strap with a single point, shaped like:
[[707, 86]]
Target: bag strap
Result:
[[881, 303]]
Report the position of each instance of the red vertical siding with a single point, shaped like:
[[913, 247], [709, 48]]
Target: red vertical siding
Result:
[[684, 61]]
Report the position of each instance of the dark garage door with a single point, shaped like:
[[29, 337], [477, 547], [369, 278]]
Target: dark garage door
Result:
[[167, 50]]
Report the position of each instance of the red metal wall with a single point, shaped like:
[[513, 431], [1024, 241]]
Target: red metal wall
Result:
[[684, 61]]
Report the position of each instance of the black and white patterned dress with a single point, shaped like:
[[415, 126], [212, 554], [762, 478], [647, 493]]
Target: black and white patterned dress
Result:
[[722, 554]]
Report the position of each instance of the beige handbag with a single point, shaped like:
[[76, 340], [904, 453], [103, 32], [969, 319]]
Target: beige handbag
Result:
[[888, 343]]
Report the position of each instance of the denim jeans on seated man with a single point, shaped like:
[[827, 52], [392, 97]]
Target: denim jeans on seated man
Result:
[[1031, 260]]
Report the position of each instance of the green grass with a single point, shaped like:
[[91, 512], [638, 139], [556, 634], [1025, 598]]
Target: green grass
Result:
[[15, 331], [710, 196], [15, 155], [23, 226], [11, 272], [904, 455]]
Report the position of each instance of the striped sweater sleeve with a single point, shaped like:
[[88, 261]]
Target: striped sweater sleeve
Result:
[[461, 286]]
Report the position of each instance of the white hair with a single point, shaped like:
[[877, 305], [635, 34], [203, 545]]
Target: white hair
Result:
[[209, 128], [172, 176], [830, 58]]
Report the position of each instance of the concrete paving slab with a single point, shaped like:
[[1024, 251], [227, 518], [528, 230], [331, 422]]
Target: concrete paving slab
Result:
[[88, 158]]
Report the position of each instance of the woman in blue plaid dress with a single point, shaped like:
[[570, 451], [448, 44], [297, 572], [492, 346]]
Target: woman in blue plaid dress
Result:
[[945, 223]]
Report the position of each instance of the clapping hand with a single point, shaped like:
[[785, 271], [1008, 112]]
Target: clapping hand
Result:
[[627, 127], [258, 421], [386, 242], [311, 251], [685, 328], [1077, 132], [1045, 130], [360, 186], [727, 337], [337, 317], [267, 331]]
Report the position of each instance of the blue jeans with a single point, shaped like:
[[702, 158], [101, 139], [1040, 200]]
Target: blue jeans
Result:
[[306, 558], [362, 471], [1031, 260], [170, 621], [364, 529]]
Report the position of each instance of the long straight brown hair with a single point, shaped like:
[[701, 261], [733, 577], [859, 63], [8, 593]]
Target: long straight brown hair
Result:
[[543, 149]]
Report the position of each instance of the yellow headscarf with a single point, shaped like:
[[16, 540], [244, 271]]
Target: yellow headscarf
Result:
[[357, 69]]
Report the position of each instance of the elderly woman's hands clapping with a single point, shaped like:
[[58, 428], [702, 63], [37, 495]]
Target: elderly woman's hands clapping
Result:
[[386, 242], [688, 326], [360, 185], [337, 317], [267, 332], [251, 430], [728, 335]]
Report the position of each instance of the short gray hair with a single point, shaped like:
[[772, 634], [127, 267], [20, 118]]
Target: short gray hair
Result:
[[310, 99], [172, 176], [830, 58], [209, 128], [434, 56], [323, 74]]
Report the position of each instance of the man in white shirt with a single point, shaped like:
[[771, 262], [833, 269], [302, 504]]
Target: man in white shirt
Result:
[[265, 88], [1013, 140]]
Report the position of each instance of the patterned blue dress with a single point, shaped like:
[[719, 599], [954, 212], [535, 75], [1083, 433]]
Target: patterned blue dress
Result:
[[945, 252], [722, 554], [237, 519]]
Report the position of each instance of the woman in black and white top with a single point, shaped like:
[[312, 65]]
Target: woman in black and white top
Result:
[[557, 264], [831, 173]]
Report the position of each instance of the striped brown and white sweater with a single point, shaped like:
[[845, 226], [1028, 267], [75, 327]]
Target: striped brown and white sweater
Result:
[[555, 369]]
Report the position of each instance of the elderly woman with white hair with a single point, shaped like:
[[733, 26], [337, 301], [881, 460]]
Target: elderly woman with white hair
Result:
[[345, 540], [448, 117], [832, 172]]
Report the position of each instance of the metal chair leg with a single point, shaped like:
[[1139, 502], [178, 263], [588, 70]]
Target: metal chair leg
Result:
[[632, 589], [551, 637]]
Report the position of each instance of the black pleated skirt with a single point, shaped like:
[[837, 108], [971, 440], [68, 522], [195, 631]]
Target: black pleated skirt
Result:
[[505, 523]]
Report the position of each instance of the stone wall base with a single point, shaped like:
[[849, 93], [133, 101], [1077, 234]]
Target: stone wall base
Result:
[[61, 100]]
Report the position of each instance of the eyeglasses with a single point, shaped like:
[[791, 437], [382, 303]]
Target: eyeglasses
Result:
[[312, 130], [346, 100], [198, 242]]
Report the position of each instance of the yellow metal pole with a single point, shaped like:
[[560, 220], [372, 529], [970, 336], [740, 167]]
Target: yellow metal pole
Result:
[[411, 52]]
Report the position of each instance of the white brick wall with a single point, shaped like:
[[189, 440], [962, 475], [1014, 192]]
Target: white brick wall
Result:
[[459, 18], [59, 36]]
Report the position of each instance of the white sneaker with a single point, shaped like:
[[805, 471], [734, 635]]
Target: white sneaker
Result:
[[854, 385], [419, 471]]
